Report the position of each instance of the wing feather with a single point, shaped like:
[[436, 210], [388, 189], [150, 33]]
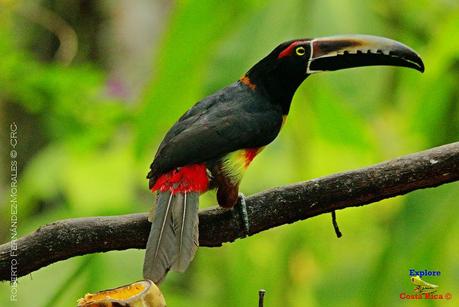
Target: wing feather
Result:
[[232, 119]]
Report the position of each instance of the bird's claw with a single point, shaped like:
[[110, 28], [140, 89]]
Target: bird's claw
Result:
[[242, 206]]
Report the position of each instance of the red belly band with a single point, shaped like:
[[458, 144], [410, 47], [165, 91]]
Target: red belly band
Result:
[[190, 178]]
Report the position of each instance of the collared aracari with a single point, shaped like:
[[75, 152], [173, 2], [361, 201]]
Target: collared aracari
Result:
[[213, 143]]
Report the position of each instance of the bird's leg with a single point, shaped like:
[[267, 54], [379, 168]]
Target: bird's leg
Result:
[[228, 196], [242, 207]]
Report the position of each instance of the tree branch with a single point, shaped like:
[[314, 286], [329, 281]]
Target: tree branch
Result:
[[73, 237]]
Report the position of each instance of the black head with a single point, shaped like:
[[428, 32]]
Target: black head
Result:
[[279, 74]]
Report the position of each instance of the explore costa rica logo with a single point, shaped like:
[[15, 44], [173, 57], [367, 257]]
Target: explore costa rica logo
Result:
[[423, 289]]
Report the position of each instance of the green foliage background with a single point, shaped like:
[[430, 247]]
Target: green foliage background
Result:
[[85, 151]]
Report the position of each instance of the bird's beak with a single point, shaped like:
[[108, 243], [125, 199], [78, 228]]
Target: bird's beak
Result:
[[347, 51]]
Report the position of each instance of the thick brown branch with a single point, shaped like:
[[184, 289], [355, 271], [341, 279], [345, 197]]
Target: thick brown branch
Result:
[[68, 238]]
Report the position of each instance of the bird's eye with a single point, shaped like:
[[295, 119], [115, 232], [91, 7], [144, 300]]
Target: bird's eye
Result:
[[300, 51]]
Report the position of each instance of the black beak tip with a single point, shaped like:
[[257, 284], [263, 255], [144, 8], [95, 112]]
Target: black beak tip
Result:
[[421, 66], [411, 58], [418, 63]]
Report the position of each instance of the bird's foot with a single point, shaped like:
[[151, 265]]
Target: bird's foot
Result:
[[242, 207]]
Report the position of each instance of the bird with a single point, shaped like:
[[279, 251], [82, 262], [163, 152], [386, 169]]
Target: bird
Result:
[[214, 142]]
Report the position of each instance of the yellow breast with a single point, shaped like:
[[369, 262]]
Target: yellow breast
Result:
[[236, 163]]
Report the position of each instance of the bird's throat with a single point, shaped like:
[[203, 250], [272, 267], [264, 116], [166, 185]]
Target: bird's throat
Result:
[[279, 90]]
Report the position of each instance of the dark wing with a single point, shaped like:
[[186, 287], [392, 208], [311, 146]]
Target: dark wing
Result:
[[232, 119]]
